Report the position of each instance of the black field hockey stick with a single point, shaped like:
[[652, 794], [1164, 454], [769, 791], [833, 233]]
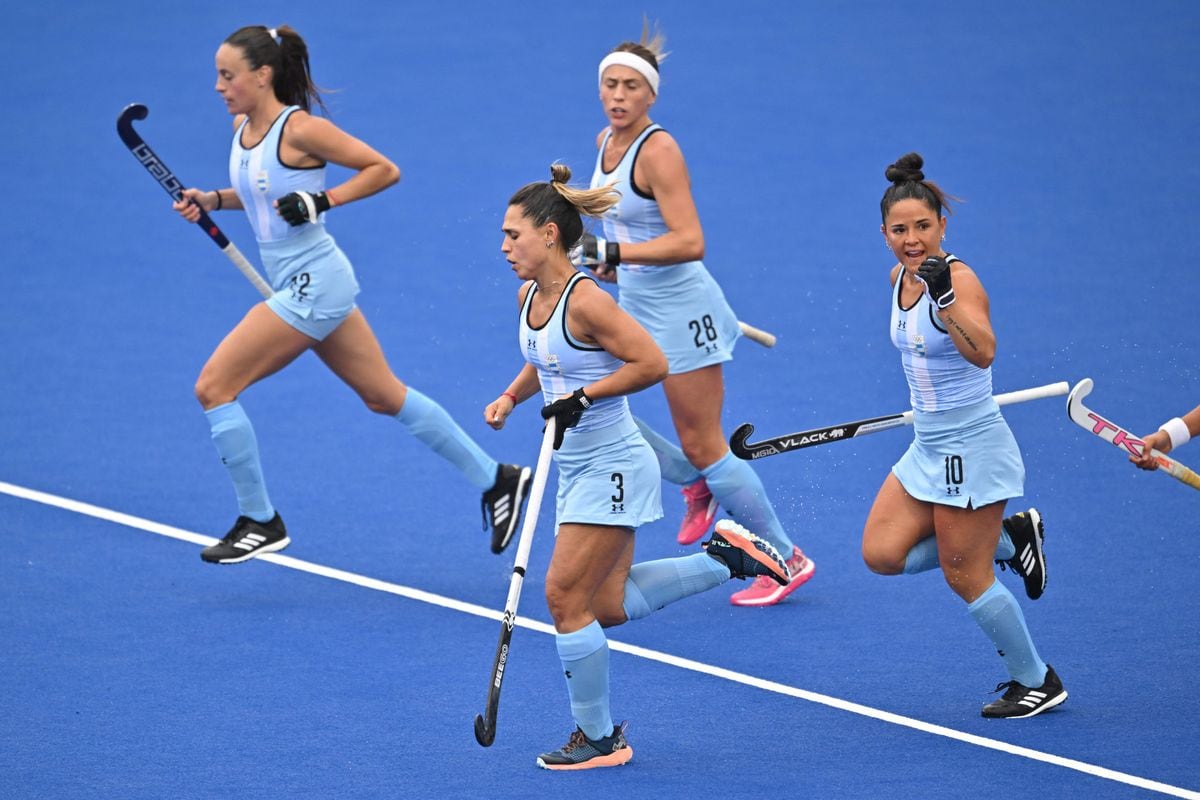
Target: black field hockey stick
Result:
[[1114, 434], [485, 723], [167, 180], [848, 430]]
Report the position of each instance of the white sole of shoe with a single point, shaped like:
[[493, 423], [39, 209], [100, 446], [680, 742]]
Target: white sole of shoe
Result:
[[270, 548]]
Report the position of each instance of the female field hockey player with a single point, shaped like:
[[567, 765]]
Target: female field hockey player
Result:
[[584, 354], [653, 242], [1171, 434], [277, 168], [943, 503]]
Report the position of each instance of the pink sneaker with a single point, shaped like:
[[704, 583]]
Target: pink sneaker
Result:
[[701, 510], [766, 592]]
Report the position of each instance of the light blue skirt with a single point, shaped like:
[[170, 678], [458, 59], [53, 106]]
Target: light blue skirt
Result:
[[965, 457], [685, 311], [608, 476], [313, 280]]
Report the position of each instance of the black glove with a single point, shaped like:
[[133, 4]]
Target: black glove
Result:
[[593, 252], [566, 413], [298, 208], [935, 272]]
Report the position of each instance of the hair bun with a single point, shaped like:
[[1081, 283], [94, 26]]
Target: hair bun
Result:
[[907, 168], [560, 173]]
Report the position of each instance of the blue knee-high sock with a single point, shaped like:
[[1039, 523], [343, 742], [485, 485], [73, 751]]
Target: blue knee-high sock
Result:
[[924, 555], [430, 423], [999, 616], [652, 585], [234, 437], [740, 492], [584, 656], [672, 462]]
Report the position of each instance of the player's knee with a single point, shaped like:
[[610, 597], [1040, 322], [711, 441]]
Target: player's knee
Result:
[[560, 601], [381, 404], [610, 617], [209, 392], [882, 560], [386, 397], [701, 452]]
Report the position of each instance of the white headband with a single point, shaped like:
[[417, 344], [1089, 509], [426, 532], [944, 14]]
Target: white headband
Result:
[[624, 58]]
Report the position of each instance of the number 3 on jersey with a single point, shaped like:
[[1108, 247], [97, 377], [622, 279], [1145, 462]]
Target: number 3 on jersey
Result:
[[618, 496]]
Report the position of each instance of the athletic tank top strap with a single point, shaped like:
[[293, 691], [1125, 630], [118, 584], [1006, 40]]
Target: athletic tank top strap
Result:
[[565, 364], [938, 376], [259, 177]]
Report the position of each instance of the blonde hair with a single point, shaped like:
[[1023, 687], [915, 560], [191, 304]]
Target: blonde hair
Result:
[[649, 47]]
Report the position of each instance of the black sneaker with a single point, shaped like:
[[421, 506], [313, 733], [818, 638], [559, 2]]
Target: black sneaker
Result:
[[745, 554], [247, 539], [580, 752], [1021, 701], [1027, 534], [502, 503]]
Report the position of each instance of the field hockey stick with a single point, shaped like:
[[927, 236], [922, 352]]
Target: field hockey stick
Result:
[[849, 430], [167, 180], [485, 723], [757, 335], [1114, 434]]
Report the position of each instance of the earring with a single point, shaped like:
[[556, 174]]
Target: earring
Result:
[[550, 243], [943, 237]]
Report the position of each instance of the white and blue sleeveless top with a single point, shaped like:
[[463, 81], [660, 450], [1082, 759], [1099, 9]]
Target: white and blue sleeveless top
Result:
[[939, 378], [260, 178], [565, 364], [637, 218]]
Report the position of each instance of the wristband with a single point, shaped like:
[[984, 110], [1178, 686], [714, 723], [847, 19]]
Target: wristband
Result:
[[510, 396], [1176, 429], [612, 253], [219, 202]]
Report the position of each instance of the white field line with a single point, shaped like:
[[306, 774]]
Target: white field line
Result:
[[652, 655]]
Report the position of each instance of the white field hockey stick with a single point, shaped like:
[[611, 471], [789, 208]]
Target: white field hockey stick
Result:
[[166, 179], [757, 335], [1114, 434], [485, 723], [849, 430]]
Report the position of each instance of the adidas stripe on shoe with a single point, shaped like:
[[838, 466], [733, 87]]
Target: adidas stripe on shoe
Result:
[[1023, 701], [247, 539], [502, 503], [1028, 536]]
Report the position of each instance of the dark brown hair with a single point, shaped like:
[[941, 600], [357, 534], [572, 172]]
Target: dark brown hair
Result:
[[908, 182], [559, 203], [287, 56]]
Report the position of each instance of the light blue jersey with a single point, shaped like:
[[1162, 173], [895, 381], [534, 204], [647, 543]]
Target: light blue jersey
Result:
[[607, 474], [313, 280], [565, 364], [681, 305], [939, 378], [260, 178]]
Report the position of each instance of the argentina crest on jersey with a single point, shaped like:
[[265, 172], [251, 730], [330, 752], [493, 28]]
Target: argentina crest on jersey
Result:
[[263, 181]]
